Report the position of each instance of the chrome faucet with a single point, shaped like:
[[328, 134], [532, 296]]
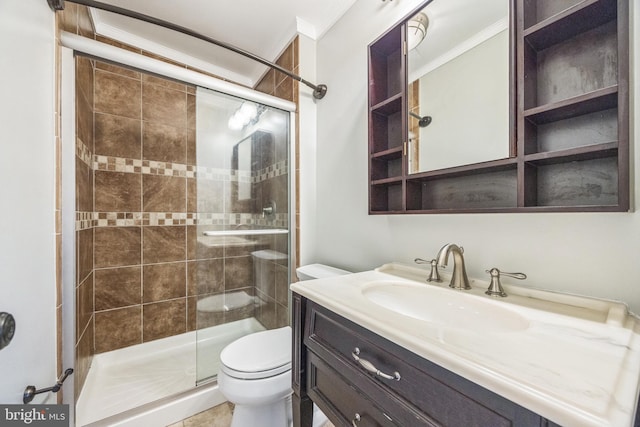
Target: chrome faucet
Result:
[[459, 279]]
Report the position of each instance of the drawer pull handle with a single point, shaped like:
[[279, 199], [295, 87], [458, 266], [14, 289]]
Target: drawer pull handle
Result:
[[355, 420], [370, 367]]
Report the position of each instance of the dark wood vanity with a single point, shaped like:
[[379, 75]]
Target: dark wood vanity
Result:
[[326, 372], [568, 119]]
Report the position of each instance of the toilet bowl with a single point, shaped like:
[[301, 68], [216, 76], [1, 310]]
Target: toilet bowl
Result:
[[255, 373]]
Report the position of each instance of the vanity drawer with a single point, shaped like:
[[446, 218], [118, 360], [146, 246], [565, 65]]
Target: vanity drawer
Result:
[[337, 398], [438, 394]]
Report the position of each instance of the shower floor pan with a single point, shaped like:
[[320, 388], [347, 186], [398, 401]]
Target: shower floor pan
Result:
[[124, 379]]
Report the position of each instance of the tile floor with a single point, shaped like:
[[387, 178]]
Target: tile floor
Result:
[[219, 416]]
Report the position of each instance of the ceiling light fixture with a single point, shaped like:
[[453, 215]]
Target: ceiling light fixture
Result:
[[417, 29]]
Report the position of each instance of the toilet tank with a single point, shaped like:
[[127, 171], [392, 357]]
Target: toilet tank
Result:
[[318, 271]]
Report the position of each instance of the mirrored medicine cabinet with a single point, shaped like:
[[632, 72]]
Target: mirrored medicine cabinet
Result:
[[511, 106]]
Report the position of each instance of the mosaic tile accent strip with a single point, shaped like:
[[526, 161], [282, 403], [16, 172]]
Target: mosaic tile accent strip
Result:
[[151, 167], [272, 171], [83, 153], [147, 167], [86, 220], [128, 219], [213, 218]]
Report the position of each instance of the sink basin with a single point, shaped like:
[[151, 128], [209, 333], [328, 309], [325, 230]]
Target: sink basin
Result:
[[445, 307]]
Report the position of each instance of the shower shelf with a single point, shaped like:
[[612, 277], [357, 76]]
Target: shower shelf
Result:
[[246, 232]]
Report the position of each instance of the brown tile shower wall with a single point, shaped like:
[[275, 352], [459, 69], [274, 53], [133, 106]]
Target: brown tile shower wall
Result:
[[144, 150], [76, 19]]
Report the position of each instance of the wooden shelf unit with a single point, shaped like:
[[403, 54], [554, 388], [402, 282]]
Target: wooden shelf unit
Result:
[[387, 132], [573, 105], [571, 118]]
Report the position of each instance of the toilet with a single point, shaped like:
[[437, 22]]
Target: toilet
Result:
[[255, 373]]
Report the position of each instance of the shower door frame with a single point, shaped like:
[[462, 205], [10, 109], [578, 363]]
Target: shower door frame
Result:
[[72, 44]]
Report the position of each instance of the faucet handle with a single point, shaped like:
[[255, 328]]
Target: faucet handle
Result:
[[495, 287], [434, 276]]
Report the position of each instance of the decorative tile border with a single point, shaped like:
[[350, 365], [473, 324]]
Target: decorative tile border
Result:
[[152, 167], [272, 171], [87, 220], [84, 220], [147, 167], [83, 153]]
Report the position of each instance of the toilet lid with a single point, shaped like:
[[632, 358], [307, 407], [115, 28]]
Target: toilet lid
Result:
[[258, 355]]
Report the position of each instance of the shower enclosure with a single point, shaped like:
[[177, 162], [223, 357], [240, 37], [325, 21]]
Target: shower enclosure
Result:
[[182, 233], [242, 237]]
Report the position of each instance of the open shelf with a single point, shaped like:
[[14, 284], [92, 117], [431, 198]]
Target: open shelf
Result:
[[599, 127], [386, 132], [386, 67], [386, 196], [591, 182], [575, 20], [597, 100], [466, 170], [389, 105], [487, 189], [586, 152], [390, 154]]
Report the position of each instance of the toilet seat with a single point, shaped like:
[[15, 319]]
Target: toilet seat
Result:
[[258, 355]]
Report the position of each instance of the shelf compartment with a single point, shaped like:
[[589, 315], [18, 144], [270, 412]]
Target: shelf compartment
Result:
[[483, 190], [571, 67], [386, 195], [590, 129], [385, 167], [576, 66], [598, 100], [577, 19], [581, 183], [385, 131], [386, 69]]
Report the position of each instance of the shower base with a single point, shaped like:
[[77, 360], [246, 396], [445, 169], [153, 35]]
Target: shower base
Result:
[[122, 380]]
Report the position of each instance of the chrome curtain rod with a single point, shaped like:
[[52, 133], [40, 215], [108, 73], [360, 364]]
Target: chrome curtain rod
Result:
[[318, 90]]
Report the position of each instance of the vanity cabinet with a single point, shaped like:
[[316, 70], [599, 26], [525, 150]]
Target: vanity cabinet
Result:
[[409, 391], [569, 119]]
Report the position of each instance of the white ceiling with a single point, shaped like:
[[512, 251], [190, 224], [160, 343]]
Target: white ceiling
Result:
[[262, 27]]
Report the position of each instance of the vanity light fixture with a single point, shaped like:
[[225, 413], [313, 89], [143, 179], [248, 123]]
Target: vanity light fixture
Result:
[[417, 30]]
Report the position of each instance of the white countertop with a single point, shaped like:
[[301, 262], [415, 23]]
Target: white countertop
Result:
[[577, 364]]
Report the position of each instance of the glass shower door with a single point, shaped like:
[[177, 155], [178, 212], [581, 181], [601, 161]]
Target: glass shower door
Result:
[[238, 278]]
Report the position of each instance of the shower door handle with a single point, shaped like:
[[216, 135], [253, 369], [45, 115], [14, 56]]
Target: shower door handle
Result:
[[7, 329]]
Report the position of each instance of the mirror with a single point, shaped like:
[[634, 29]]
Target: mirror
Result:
[[242, 164], [458, 92], [251, 156]]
